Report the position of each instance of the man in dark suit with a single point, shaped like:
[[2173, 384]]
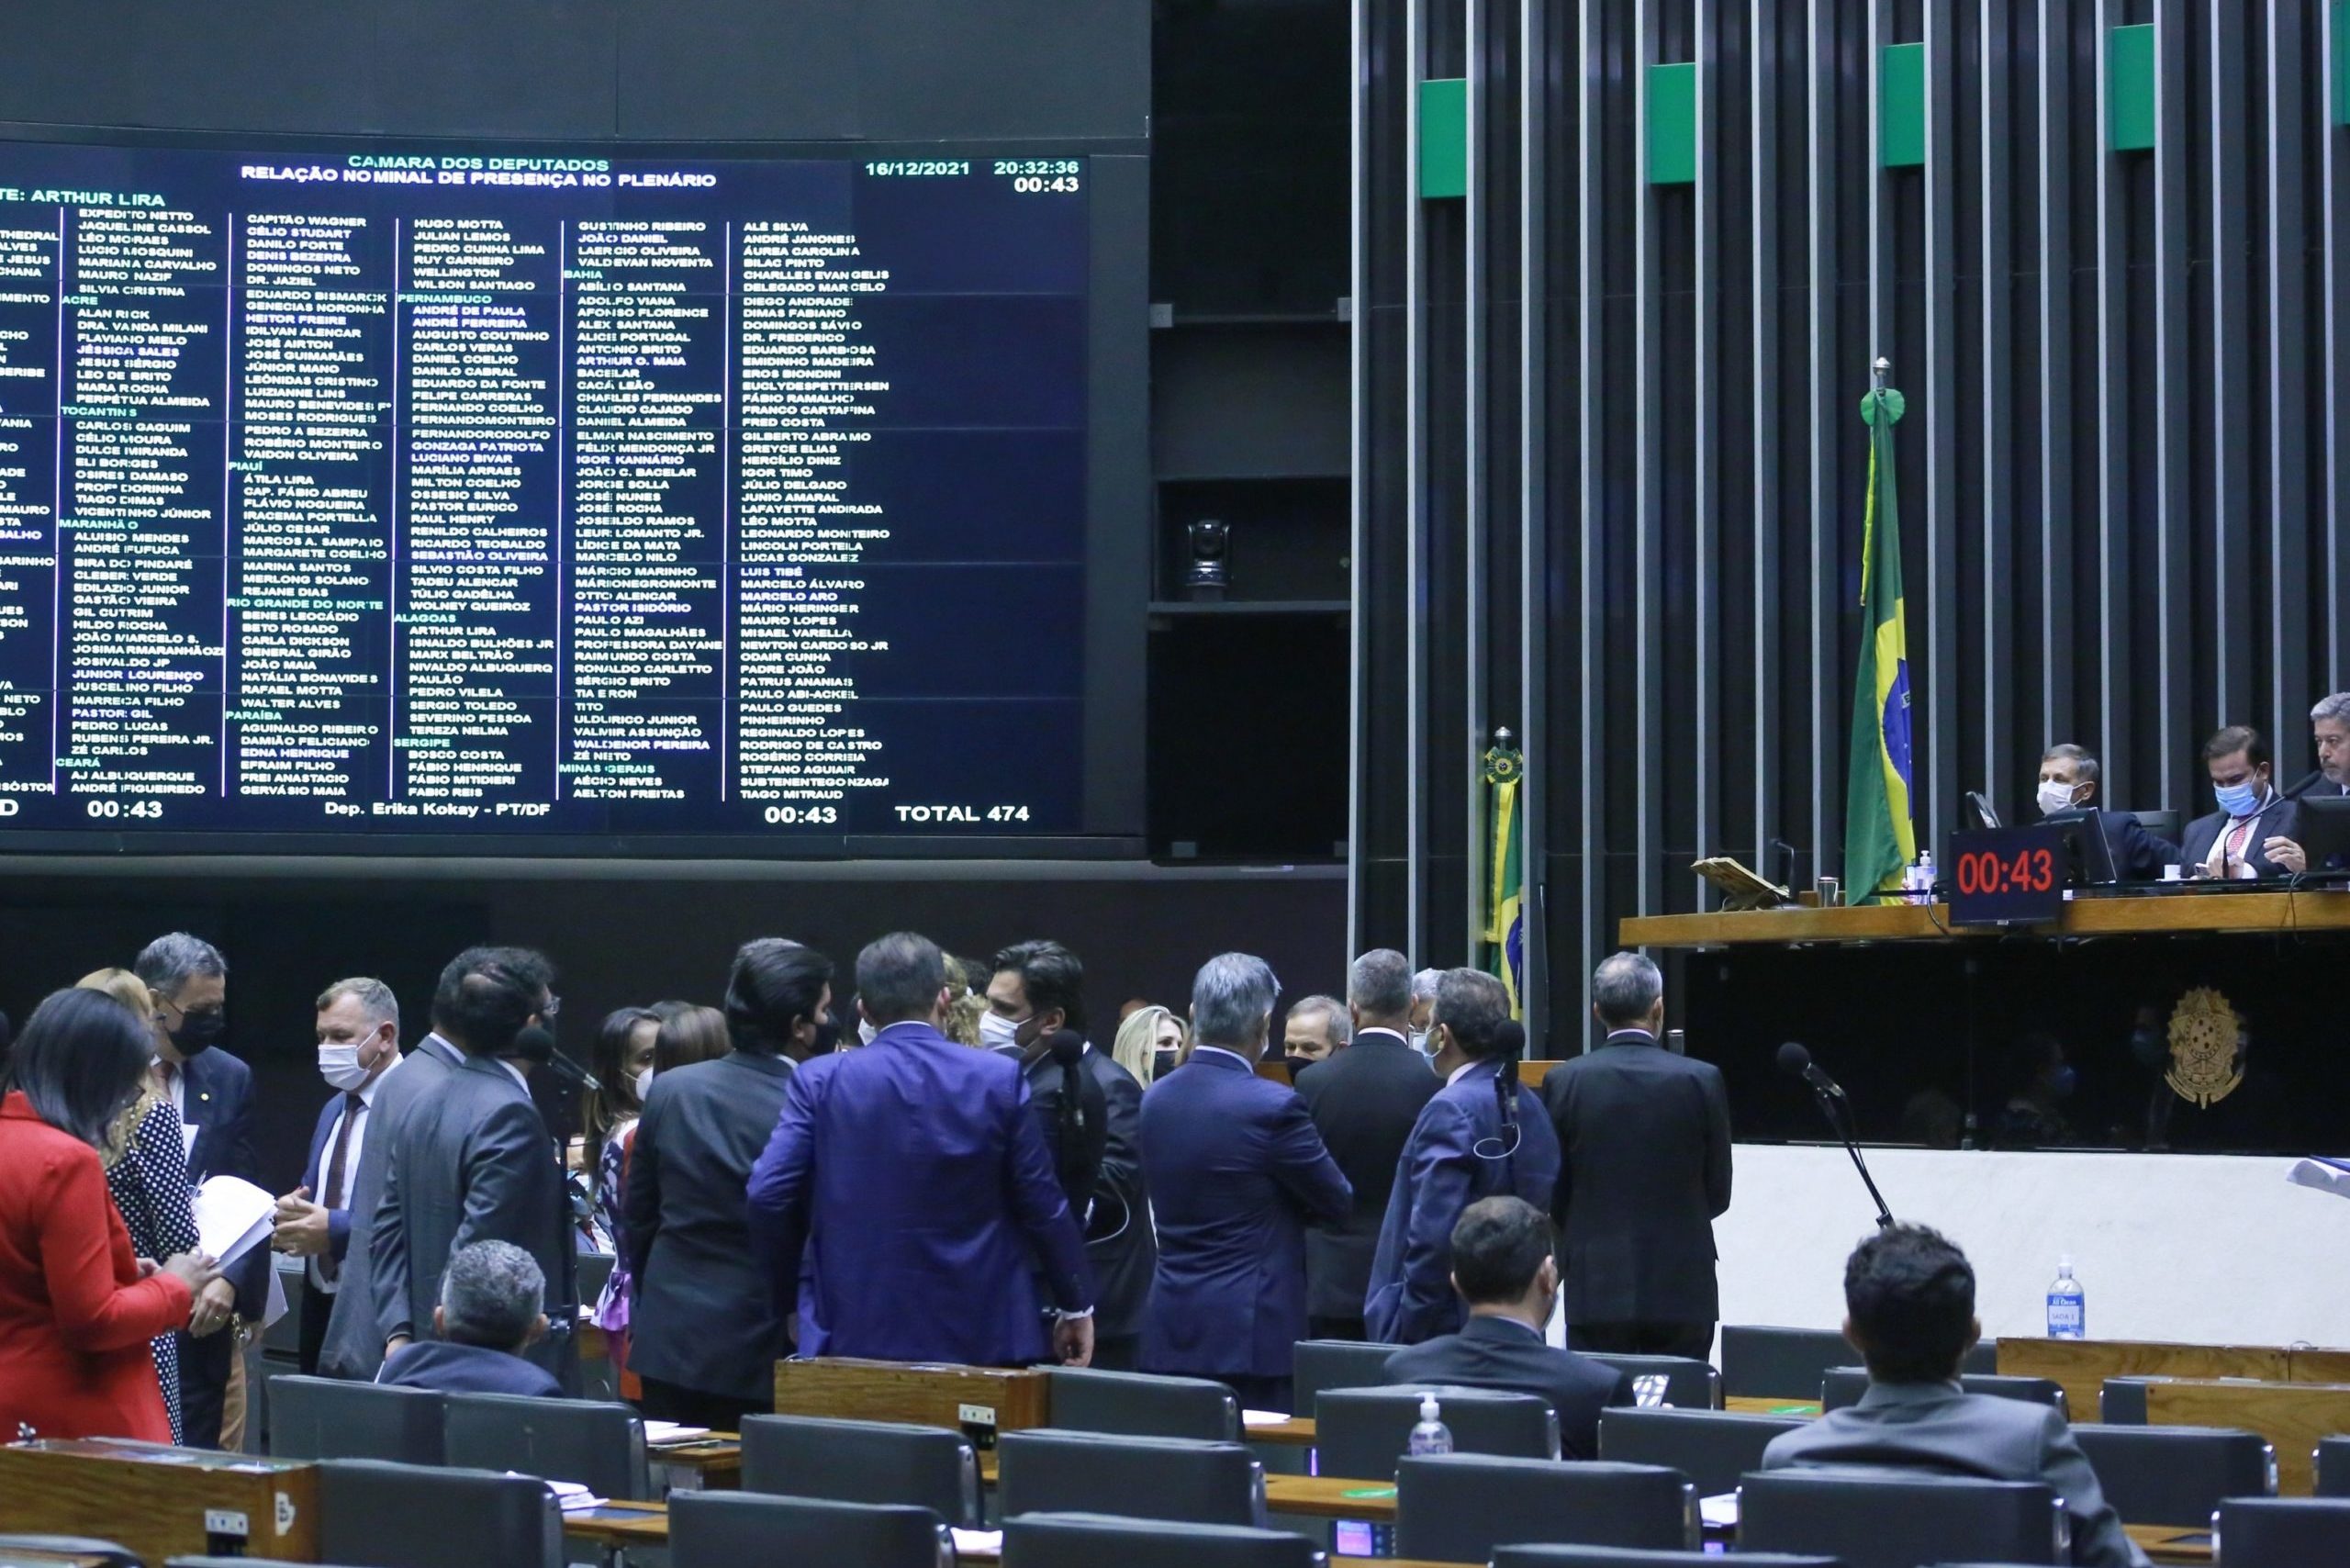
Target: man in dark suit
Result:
[[213, 1092], [934, 1204], [355, 1333], [1236, 1172], [1909, 1311], [1481, 1133], [1503, 1268], [1644, 1144], [489, 1318], [1042, 985], [2330, 731], [2069, 777], [2252, 832], [1364, 1100], [705, 1334], [475, 1162], [359, 1046]]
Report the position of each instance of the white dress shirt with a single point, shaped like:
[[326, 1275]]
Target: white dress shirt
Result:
[[366, 1093]]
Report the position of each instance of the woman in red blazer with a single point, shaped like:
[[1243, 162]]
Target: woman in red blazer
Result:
[[76, 1309]]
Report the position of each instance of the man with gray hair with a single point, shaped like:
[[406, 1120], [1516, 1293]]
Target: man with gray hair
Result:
[[213, 1092], [1644, 1147], [1483, 1134], [2069, 779], [493, 1307], [2330, 730], [1363, 1101], [1315, 1030], [1422, 1031], [359, 1046], [1235, 1171]]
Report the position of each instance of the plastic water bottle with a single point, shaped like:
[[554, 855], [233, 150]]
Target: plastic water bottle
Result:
[[1926, 872], [1431, 1435], [2067, 1316]]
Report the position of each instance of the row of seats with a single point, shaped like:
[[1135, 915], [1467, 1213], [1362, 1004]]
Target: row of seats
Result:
[[378, 1515]]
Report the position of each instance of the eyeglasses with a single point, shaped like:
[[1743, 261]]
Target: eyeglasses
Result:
[[553, 1009]]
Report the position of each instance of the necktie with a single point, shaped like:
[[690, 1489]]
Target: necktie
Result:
[[353, 1107]]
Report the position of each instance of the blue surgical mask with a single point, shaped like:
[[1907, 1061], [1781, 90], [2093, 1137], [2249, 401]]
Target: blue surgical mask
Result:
[[2237, 800]]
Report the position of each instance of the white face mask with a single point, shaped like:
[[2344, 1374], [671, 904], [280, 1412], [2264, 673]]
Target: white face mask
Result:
[[643, 1085], [341, 1067], [2054, 797], [996, 1033], [1419, 1038], [866, 1031]]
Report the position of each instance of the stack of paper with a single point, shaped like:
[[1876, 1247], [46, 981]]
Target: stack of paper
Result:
[[2324, 1175], [985, 1542], [570, 1495], [232, 1218], [1719, 1511], [668, 1434], [1263, 1418]]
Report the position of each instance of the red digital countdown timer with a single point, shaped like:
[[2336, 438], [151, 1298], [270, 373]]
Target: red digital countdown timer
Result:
[[2006, 875]]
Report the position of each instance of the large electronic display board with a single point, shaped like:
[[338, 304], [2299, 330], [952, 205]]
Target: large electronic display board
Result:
[[555, 495]]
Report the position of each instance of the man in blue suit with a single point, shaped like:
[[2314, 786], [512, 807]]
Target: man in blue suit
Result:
[[359, 1046], [1235, 1171], [1482, 1135], [919, 1234], [213, 1092], [493, 1301]]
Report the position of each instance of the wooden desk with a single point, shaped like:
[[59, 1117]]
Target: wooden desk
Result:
[[2081, 1366], [2292, 1416], [1765, 1404], [924, 1393], [161, 1502], [2183, 914], [713, 1464], [1296, 1432], [2168, 1543], [28, 1557]]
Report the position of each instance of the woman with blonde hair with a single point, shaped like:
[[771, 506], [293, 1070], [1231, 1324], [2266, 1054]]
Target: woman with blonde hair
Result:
[[1146, 1032], [146, 1166]]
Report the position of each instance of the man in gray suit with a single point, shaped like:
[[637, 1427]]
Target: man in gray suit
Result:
[[473, 1162], [353, 1346], [1909, 1311]]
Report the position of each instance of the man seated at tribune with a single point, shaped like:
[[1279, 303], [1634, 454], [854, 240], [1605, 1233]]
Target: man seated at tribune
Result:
[[1909, 1311], [1502, 1267], [493, 1300]]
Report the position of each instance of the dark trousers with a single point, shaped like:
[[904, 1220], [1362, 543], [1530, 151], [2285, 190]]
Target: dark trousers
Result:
[[204, 1386], [1694, 1341], [317, 1307], [1118, 1355], [1336, 1328], [692, 1407]]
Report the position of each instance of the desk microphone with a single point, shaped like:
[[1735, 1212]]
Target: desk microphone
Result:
[[1795, 1062]]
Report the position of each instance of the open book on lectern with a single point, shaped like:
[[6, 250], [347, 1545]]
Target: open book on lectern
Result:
[[1740, 887]]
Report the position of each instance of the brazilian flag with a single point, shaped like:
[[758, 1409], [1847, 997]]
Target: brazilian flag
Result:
[[1879, 839], [1505, 894]]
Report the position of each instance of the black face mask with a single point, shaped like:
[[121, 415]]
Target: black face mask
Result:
[[197, 1031], [828, 1036]]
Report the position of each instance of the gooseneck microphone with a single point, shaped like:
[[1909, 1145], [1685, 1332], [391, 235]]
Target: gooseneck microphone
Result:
[[535, 1045], [1796, 1062]]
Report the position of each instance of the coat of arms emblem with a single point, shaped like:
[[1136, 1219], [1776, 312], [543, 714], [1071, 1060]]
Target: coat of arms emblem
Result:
[[2204, 1034]]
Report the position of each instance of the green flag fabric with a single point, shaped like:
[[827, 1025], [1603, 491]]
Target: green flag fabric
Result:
[[1879, 841]]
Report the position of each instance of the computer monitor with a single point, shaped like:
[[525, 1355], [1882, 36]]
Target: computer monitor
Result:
[[2325, 832], [1979, 808], [2088, 856]]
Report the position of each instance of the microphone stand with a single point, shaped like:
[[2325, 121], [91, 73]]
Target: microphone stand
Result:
[[1830, 1099]]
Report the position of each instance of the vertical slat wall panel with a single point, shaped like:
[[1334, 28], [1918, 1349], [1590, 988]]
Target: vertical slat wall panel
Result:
[[2126, 474], [1765, 34], [2285, 606], [2234, 636]]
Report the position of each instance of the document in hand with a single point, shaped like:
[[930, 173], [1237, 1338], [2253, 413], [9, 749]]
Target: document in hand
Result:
[[232, 1216]]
